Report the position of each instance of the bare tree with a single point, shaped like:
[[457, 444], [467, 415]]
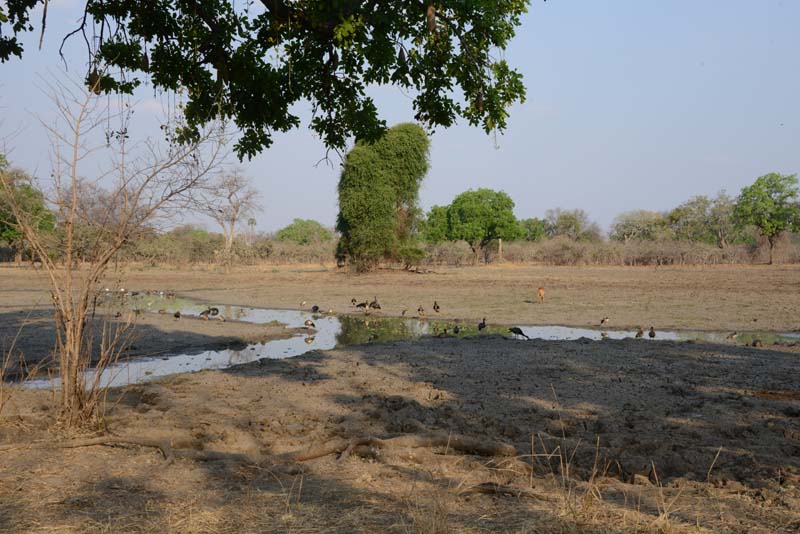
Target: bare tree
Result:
[[142, 183], [227, 200]]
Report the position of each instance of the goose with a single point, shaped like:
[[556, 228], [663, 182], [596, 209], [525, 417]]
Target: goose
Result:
[[309, 323], [353, 302], [652, 332], [213, 312], [221, 318], [436, 307], [375, 305], [604, 321], [456, 329], [517, 331], [177, 314], [482, 324], [639, 333], [314, 309]]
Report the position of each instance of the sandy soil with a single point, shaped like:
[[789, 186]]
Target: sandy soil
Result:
[[682, 437], [609, 436]]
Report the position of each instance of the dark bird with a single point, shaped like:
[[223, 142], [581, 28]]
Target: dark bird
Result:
[[364, 305], [314, 309], [517, 331], [309, 323], [118, 315], [177, 314], [375, 305], [353, 302], [757, 343], [436, 306], [652, 333], [639, 333], [482, 324], [205, 313], [213, 312], [421, 311], [456, 330], [732, 336], [403, 313], [604, 320]]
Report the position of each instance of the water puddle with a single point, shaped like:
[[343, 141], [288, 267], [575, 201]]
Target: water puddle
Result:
[[342, 330]]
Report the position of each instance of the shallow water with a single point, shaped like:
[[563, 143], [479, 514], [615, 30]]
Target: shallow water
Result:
[[342, 330]]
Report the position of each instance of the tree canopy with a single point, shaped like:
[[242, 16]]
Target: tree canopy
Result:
[[573, 224], [304, 232], [253, 61], [481, 216], [20, 193], [770, 204]]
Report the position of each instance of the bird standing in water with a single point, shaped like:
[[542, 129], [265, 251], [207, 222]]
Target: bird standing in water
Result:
[[604, 321], [309, 323], [517, 331], [639, 333], [652, 332]]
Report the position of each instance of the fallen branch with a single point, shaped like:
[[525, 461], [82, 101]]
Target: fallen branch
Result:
[[491, 488], [161, 445], [456, 443]]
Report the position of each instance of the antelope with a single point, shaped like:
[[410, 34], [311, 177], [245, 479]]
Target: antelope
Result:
[[541, 295]]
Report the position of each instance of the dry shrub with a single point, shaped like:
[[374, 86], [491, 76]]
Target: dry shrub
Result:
[[456, 253], [287, 252]]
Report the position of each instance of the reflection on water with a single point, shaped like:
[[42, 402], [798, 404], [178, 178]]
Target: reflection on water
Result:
[[343, 330]]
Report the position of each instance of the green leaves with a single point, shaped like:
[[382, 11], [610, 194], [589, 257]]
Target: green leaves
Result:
[[378, 192], [251, 65], [770, 204], [481, 216]]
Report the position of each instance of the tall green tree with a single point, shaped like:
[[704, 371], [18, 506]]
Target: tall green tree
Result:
[[304, 232], [533, 229], [435, 228], [770, 204], [252, 61], [382, 179], [22, 192], [481, 216]]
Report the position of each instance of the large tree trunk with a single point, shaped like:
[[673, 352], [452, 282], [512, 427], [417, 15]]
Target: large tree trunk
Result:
[[771, 242]]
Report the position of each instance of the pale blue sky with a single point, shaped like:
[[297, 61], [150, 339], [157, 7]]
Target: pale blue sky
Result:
[[631, 105]]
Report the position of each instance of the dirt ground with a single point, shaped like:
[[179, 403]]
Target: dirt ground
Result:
[[525, 436]]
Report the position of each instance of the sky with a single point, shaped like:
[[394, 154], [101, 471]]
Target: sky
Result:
[[630, 105]]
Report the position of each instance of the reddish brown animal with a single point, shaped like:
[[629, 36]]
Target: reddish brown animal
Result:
[[541, 295]]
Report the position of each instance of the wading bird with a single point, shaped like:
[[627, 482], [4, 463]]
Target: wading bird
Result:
[[517, 331]]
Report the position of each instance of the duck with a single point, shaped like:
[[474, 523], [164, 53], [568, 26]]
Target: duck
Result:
[[314, 309], [436, 306], [177, 314], [309, 323], [353, 302], [517, 331], [604, 321], [639, 333], [652, 332], [456, 330], [213, 312], [482, 324]]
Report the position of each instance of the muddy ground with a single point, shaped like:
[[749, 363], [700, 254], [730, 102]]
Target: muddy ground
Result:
[[608, 436]]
